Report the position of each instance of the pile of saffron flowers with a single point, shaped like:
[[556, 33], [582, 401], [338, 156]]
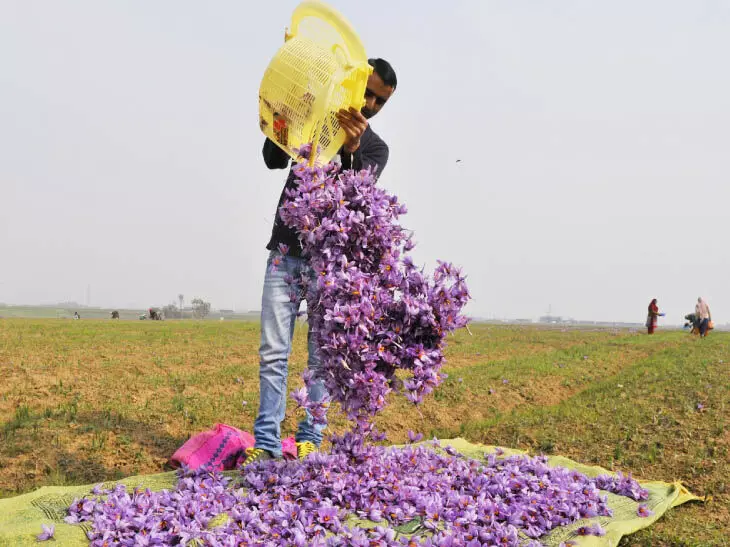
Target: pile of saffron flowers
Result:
[[417, 495], [371, 310]]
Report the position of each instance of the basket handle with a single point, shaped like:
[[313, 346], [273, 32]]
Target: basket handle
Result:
[[320, 10]]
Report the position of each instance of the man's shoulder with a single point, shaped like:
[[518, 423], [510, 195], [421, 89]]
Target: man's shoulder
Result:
[[371, 139]]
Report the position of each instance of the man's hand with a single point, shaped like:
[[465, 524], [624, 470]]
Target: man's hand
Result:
[[354, 124]]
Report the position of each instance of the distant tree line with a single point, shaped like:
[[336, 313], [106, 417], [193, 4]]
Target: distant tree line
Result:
[[199, 309]]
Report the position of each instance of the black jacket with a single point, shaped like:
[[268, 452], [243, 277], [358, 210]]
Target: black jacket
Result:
[[372, 152]]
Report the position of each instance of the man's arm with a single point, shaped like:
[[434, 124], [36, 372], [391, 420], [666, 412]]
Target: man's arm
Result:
[[359, 155], [275, 157]]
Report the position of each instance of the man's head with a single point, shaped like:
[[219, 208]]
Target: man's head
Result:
[[381, 85]]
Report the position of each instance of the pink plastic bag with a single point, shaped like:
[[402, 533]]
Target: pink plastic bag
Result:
[[289, 448], [222, 448], [217, 449]]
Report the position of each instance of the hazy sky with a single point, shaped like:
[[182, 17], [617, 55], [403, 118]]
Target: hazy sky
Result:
[[593, 138]]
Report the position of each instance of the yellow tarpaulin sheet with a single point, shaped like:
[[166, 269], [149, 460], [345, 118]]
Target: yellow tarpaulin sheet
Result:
[[21, 517]]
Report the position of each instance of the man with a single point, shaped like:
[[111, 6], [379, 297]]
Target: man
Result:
[[362, 149], [702, 312]]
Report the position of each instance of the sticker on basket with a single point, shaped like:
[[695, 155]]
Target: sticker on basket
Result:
[[281, 130]]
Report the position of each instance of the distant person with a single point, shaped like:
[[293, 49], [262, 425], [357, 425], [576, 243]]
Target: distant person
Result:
[[692, 323], [652, 316], [76, 315], [702, 312]]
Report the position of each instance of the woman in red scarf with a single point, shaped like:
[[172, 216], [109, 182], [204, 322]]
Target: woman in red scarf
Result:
[[651, 319]]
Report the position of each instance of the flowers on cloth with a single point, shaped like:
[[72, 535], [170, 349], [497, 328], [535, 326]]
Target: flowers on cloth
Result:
[[47, 533], [441, 496]]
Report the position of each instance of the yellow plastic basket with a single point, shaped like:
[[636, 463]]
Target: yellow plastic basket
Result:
[[321, 68]]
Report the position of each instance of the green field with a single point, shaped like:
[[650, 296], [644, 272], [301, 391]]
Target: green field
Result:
[[91, 400], [61, 312]]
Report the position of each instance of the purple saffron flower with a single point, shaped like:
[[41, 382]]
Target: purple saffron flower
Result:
[[327, 515], [300, 396], [644, 511], [376, 515], [591, 530], [378, 436], [414, 437], [48, 532]]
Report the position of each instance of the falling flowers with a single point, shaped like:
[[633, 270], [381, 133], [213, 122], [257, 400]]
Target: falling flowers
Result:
[[371, 310]]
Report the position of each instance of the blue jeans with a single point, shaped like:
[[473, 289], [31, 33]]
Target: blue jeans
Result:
[[703, 326], [278, 318]]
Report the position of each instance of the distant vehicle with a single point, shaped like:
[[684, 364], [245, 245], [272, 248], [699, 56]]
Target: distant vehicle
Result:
[[155, 314]]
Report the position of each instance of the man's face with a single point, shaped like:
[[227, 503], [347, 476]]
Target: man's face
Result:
[[376, 95]]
